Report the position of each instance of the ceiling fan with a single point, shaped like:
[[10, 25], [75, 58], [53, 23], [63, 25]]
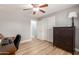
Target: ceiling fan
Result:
[[37, 7]]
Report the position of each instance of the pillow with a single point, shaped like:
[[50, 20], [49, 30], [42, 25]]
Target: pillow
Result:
[[6, 41]]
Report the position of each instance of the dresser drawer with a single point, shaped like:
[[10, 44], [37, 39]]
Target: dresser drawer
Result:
[[63, 38], [63, 45], [63, 42]]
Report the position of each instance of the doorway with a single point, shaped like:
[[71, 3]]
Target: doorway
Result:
[[33, 29]]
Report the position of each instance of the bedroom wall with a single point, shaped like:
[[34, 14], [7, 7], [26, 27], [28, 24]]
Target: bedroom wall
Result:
[[13, 23], [61, 19]]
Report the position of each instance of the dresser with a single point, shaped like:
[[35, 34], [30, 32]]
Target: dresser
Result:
[[64, 38]]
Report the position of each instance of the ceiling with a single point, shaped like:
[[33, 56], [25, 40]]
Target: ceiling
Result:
[[19, 8]]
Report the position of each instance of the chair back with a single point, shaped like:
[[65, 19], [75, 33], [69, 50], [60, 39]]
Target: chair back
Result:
[[17, 41]]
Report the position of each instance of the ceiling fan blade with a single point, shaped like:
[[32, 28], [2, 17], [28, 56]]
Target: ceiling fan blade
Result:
[[45, 5], [42, 11], [27, 9], [33, 5], [34, 12]]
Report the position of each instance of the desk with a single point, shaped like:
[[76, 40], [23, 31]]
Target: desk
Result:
[[7, 49], [1, 52]]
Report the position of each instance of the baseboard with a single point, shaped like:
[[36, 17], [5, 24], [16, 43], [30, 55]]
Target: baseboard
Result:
[[76, 49], [49, 41], [24, 41]]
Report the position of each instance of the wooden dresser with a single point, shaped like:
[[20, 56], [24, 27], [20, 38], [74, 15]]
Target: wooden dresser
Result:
[[64, 38]]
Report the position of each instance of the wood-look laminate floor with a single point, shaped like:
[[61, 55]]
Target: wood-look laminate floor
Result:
[[39, 47]]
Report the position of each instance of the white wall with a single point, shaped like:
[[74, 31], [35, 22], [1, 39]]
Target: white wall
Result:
[[45, 28], [13, 23], [61, 20]]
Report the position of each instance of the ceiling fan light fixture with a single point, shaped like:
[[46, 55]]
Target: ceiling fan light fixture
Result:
[[36, 9]]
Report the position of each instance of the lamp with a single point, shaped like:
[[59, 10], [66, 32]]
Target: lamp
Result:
[[73, 15]]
